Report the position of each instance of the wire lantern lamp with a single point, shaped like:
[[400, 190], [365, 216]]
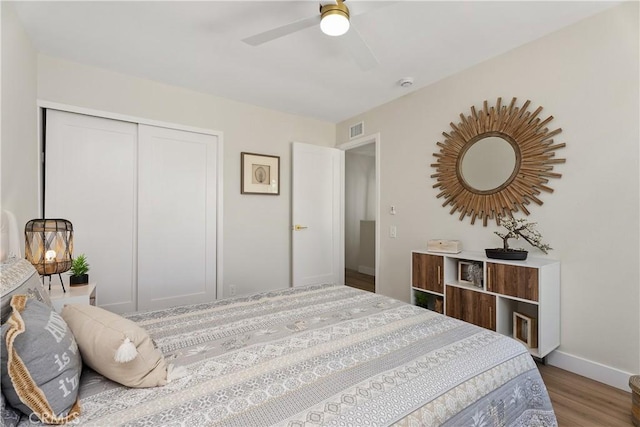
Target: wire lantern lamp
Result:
[[49, 246]]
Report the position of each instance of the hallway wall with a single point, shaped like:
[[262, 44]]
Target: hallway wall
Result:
[[360, 195]]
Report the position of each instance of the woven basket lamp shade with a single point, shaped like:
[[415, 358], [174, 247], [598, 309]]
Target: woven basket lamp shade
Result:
[[49, 246]]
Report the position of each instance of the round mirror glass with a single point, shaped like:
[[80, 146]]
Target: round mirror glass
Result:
[[488, 163]]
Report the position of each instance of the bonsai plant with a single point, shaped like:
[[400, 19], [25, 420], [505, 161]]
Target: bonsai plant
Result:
[[79, 270], [517, 228]]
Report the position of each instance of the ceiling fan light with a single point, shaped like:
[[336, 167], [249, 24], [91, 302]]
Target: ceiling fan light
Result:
[[335, 20]]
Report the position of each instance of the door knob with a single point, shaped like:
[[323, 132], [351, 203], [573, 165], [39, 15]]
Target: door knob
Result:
[[299, 227]]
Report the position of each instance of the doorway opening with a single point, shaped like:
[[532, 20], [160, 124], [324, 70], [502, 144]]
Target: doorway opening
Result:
[[360, 213]]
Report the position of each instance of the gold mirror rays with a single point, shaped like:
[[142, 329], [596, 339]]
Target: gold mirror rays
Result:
[[535, 158]]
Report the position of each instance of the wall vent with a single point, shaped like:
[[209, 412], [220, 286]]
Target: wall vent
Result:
[[356, 130]]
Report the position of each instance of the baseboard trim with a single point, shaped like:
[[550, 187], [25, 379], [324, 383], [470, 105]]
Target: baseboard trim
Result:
[[587, 368], [366, 270]]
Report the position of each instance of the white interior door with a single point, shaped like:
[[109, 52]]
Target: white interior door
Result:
[[317, 214], [90, 180], [177, 192]]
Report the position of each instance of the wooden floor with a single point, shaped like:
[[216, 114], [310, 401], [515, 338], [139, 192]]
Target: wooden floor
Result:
[[360, 281], [582, 402]]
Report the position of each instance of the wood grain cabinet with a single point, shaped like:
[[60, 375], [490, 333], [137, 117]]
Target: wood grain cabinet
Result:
[[428, 272], [471, 306], [530, 288], [513, 280]]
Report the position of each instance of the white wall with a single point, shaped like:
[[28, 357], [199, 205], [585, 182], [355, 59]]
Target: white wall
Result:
[[360, 201], [19, 150], [586, 76], [256, 228]]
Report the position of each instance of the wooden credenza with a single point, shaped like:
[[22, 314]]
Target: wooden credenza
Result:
[[531, 289]]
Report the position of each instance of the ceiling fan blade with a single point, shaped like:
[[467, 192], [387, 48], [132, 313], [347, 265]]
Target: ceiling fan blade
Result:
[[360, 51], [282, 31]]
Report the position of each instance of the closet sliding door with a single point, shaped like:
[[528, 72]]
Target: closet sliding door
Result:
[[143, 203], [90, 179], [176, 217]]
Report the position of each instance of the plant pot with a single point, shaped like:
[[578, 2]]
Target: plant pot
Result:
[[83, 279], [508, 254]]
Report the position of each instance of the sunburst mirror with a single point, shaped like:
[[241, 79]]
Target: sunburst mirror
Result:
[[496, 161]]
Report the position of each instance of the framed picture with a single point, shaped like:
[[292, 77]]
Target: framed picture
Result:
[[259, 174], [463, 272], [525, 329], [470, 273]]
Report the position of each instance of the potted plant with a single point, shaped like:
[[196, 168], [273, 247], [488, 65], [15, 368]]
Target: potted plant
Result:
[[79, 270], [517, 228]]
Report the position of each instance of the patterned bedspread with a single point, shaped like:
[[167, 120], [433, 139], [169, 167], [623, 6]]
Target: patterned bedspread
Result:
[[324, 355]]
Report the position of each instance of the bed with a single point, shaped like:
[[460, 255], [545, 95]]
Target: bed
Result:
[[323, 355]]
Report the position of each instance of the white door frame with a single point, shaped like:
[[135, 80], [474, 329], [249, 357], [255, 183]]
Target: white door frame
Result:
[[358, 142], [43, 105]]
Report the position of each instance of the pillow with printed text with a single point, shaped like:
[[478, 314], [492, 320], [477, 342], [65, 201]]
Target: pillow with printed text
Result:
[[40, 362]]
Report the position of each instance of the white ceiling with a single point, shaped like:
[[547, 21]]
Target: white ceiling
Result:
[[198, 45]]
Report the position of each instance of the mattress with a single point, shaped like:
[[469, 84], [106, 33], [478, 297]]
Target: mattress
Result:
[[324, 355]]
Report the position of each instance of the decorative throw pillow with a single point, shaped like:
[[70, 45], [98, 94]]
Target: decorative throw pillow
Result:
[[19, 277], [116, 347], [41, 363]]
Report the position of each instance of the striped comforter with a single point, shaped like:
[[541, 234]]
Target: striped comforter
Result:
[[324, 355]]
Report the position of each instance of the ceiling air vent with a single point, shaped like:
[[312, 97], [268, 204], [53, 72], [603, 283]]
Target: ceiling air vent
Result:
[[356, 130]]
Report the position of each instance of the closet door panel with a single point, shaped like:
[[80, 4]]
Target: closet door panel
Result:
[[176, 217], [90, 180]]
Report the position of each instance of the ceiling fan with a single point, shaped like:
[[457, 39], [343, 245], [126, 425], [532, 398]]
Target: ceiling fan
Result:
[[334, 21]]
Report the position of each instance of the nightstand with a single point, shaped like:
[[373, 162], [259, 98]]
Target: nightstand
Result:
[[84, 294]]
